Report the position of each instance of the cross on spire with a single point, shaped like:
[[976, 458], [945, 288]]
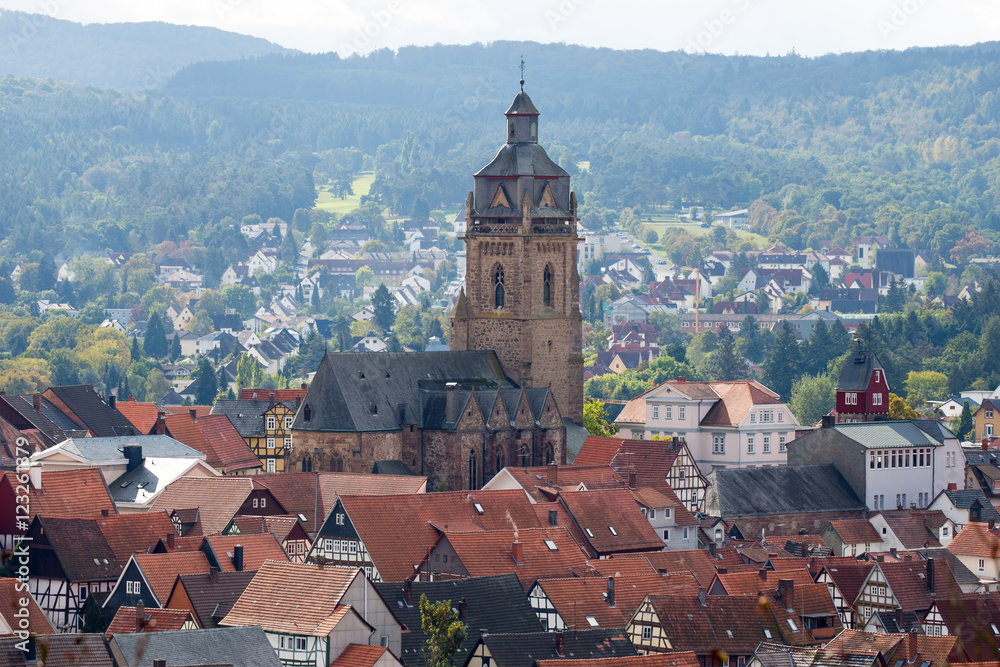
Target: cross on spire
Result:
[[522, 74]]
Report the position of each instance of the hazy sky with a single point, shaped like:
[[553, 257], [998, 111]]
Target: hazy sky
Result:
[[722, 26]]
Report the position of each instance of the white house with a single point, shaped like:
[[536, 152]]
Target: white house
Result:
[[725, 424], [734, 219]]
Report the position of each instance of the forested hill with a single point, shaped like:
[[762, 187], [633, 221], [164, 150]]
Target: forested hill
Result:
[[127, 56]]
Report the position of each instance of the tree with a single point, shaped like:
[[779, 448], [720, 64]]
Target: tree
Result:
[[445, 631], [363, 277], [136, 353], [821, 279], [595, 419], [383, 305], [155, 342], [812, 397], [723, 364], [782, 363], [208, 386], [895, 298], [248, 372], [240, 299], [898, 409], [965, 424], [342, 332], [763, 302], [931, 385], [175, 347], [157, 385]]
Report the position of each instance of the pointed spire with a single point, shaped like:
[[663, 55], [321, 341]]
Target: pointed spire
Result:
[[462, 306]]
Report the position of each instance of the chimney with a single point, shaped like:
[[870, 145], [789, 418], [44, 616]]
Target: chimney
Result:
[[320, 562], [298, 400], [171, 540], [133, 453], [880, 558], [238, 558], [827, 421], [161, 423], [213, 574], [786, 591], [681, 378], [560, 646], [517, 552], [992, 524], [450, 405], [986, 444], [711, 550], [408, 592], [552, 474], [701, 597], [611, 591], [159, 662], [305, 386], [899, 619], [930, 576], [553, 518], [462, 606], [722, 570], [952, 486], [892, 551], [762, 572], [270, 399], [140, 616], [113, 402], [104, 512], [36, 401], [631, 479], [194, 414]]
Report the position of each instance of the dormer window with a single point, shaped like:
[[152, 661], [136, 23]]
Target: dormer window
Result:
[[307, 413]]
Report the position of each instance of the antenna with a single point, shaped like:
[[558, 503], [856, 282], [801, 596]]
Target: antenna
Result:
[[522, 74]]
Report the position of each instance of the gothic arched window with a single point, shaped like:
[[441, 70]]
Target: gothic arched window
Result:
[[336, 463], [547, 286], [473, 465], [549, 455], [307, 463], [498, 288], [499, 459]]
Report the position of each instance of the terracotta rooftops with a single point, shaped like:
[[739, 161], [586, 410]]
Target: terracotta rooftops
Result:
[[976, 539], [361, 655], [294, 598], [153, 620], [737, 398], [610, 521], [162, 570], [218, 499], [68, 493], [652, 459], [257, 549], [696, 561], [752, 583], [912, 529], [142, 415], [214, 436], [856, 531], [10, 602], [542, 482]]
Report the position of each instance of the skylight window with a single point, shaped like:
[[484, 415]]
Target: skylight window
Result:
[[613, 531], [551, 545], [589, 534], [995, 630], [792, 625], [767, 633], [729, 633], [302, 517], [126, 483], [479, 508], [592, 621]]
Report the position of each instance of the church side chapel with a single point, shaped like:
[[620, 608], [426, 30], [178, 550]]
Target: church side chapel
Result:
[[515, 369]]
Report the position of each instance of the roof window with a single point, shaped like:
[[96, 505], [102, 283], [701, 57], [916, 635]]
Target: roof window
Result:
[[592, 621], [613, 531], [479, 508], [589, 534], [729, 633], [792, 625], [551, 545], [767, 633]]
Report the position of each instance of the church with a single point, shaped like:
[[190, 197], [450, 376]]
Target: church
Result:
[[515, 369]]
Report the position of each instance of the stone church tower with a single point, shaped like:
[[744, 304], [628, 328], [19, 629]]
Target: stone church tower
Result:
[[522, 295]]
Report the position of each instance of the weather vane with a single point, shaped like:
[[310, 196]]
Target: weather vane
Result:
[[522, 74]]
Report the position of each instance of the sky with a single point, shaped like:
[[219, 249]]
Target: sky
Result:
[[752, 27]]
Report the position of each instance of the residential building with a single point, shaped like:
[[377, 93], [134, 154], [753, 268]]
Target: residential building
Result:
[[890, 464], [982, 471], [244, 646], [905, 531], [265, 425], [515, 650], [352, 612], [977, 546], [987, 420], [724, 424], [851, 537], [962, 506], [214, 436], [208, 596], [140, 619], [215, 501], [862, 390]]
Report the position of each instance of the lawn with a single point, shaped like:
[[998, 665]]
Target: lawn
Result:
[[327, 202]]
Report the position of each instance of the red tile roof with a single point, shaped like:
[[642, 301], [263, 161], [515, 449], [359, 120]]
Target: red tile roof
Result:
[[397, 532], [162, 570], [154, 620], [856, 642], [696, 561], [969, 618], [488, 553], [142, 415], [737, 398], [976, 539], [908, 582], [129, 534], [935, 650], [849, 578], [361, 655], [256, 550], [79, 492], [218, 499], [294, 598], [536, 481], [664, 496], [10, 603], [652, 459], [753, 583], [674, 659], [282, 527], [611, 521], [911, 529], [214, 436], [857, 531]]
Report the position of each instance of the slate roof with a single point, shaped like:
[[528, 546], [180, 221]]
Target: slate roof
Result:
[[257, 549], [111, 448], [353, 392], [273, 599], [517, 650], [213, 597], [286, 396], [521, 106], [496, 603], [245, 646], [857, 373], [74, 650], [214, 436], [963, 499], [398, 534], [81, 549], [247, 416], [165, 620], [50, 421], [610, 521], [391, 467], [93, 411], [779, 490], [902, 433]]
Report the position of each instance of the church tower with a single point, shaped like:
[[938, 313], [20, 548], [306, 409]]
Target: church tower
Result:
[[522, 294]]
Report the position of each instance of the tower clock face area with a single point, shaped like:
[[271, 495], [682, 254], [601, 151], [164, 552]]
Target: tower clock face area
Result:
[[521, 296]]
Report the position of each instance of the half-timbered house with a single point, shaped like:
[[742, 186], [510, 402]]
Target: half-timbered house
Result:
[[149, 579], [288, 530], [265, 425], [844, 581]]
